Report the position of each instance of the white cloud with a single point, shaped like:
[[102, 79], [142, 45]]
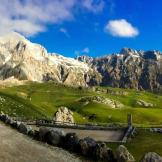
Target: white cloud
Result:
[[30, 17], [86, 50], [94, 6], [65, 32], [121, 28]]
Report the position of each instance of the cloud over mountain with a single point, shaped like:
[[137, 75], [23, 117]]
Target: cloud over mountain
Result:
[[30, 17]]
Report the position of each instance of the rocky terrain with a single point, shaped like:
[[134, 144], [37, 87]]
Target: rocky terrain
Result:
[[22, 60], [129, 69], [144, 104], [64, 116], [24, 147], [99, 99]]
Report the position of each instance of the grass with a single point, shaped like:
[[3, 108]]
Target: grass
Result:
[[144, 142], [42, 100], [14, 106]]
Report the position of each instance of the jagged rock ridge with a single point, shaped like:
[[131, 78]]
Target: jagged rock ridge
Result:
[[129, 69]]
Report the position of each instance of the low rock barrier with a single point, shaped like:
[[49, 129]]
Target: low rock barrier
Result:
[[87, 147]]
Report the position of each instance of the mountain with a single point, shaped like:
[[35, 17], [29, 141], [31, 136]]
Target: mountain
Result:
[[22, 60], [129, 69]]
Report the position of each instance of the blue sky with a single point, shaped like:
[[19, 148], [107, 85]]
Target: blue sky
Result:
[[91, 27]]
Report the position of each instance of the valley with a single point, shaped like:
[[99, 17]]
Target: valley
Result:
[[80, 81], [34, 84], [41, 101]]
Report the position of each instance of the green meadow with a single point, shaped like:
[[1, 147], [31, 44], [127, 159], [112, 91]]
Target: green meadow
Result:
[[41, 100], [144, 142]]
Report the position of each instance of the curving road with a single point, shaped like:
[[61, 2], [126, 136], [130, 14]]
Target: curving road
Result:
[[16, 147]]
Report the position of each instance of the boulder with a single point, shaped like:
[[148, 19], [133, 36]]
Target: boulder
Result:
[[23, 128], [123, 155], [87, 146], [9, 120], [17, 124], [71, 141], [31, 133], [151, 157], [103, 153], [36, 135], [13, 124], [54, 137], [42, 132], [64, 116], [3, 117]]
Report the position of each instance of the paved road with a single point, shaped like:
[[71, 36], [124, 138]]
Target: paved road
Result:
[[16, 147]]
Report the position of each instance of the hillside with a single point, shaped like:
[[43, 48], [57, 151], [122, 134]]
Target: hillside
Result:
[[41, 100]]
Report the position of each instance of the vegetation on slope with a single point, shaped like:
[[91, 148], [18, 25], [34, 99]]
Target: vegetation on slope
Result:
[[42, 100], [144, 142]]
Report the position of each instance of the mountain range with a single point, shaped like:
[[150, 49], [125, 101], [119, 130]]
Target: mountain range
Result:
[[22, 60]]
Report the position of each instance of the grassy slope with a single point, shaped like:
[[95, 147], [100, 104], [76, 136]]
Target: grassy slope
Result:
[[144, 142], [44, 99]]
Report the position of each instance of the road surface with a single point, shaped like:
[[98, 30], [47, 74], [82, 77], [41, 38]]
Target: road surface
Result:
[[98, 135], [16, 147]]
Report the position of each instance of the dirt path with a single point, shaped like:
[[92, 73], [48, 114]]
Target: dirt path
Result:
[[98, 135], [16, 147]]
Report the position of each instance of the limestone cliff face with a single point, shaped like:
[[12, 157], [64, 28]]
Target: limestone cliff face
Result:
[[129, 69], [23, 60]]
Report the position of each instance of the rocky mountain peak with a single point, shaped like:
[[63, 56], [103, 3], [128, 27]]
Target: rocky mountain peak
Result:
[[24, 60], [12, 39], [85, 59], [127, 51]]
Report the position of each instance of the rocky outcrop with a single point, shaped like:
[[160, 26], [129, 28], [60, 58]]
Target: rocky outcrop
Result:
[[129, 69], [64, 115], [118, 93], [99, 99], [123, 155], [142, 103], [151, 157]]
